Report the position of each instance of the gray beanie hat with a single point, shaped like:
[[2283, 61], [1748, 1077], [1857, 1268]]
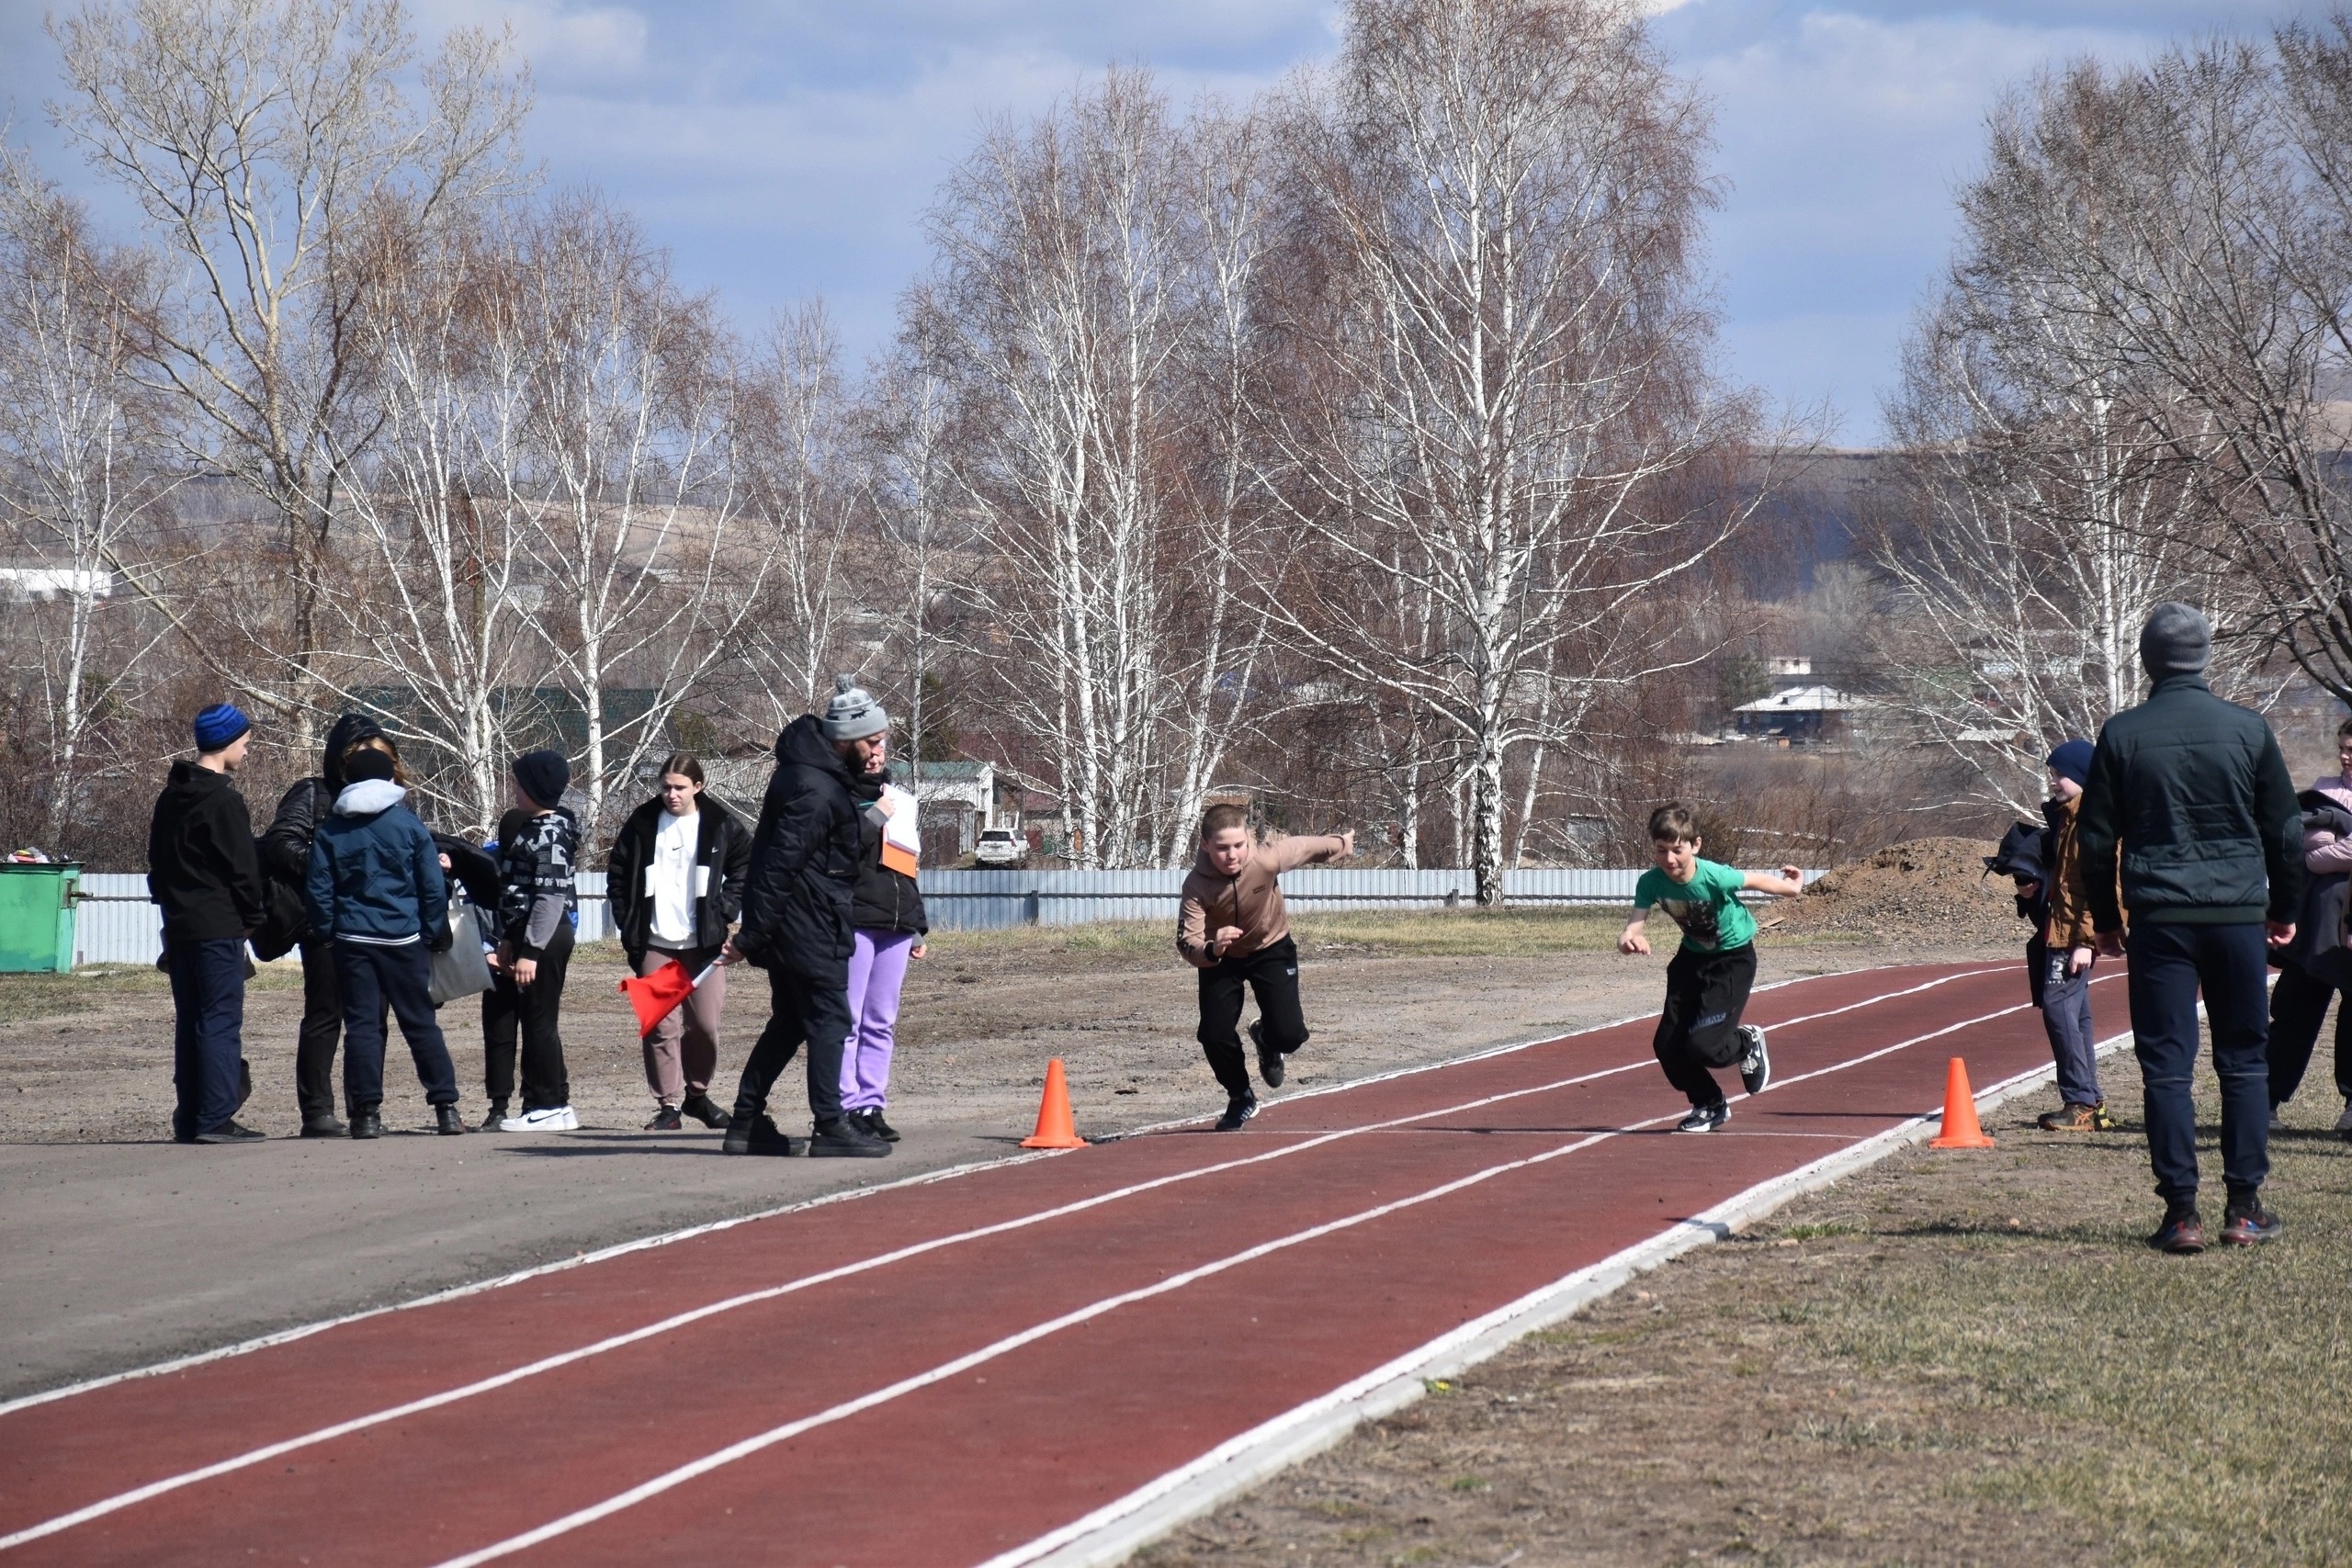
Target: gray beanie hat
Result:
[[2177, 640], [853, 714]]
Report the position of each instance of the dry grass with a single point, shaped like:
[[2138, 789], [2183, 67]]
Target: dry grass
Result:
[[1949, 1358]]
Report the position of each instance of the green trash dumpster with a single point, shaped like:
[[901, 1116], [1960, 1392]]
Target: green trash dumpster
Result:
[[37, 917]]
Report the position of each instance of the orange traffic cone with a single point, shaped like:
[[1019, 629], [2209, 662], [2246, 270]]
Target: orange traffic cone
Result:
[[1055, 1129], [1960, 1130]]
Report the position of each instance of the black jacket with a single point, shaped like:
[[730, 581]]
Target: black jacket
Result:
[[804, 862], [202, 866], [2192, 793], [286, 844], [2318, 947], [535, 892], [721, 842], [885, 900]]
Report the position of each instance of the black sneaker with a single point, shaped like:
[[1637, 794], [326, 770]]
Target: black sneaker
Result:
[[367, 1124], [2247, 1222], [497, 1114], [2182, 1232], [1704, 1118], [665, 1120], [447, 1122], [1270, 1061], [757, 1135], [1238, 1110], [325, 1127], [230, 1133], [1756, 1063], [702, 1108], [841, 1138], [870, 1122]]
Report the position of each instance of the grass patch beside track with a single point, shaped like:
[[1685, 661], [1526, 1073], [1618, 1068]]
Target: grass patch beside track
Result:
[[1950, 1358]]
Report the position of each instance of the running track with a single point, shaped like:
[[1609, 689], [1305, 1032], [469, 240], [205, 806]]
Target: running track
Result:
[[952, 1370]]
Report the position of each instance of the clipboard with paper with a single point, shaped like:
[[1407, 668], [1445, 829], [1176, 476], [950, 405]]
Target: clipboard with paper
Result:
[[902, 831]]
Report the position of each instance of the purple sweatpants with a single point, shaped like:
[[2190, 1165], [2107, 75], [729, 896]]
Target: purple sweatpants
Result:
[[877, 967]]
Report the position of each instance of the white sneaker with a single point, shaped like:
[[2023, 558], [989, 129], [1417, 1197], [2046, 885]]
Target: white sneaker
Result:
[[558, 1118]]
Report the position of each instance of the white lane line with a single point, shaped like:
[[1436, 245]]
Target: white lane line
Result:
[[501, 1282], [262, 1455], [672, 1479], [1114, 1532]]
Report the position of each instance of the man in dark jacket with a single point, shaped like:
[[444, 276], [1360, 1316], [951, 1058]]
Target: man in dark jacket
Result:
[[286, 855], [202, 869], [375, 893], [796, 921], [675, 884], [2189, 795]]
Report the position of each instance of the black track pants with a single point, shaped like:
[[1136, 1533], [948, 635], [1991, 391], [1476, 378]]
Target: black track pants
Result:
[[1699, 1030], [1273, 974]]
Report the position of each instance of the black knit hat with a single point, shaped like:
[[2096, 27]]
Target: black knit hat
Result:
[[544, 775]]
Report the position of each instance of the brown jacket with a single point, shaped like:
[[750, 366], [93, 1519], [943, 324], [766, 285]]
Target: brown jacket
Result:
[[1251, 900], [2070, 910]]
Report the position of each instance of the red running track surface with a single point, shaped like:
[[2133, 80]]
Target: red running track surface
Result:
[[941, 1372]]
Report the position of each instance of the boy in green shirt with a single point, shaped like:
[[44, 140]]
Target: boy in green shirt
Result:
[[1707, 981]]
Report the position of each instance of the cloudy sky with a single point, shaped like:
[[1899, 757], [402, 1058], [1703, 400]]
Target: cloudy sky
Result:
[[786, 148]]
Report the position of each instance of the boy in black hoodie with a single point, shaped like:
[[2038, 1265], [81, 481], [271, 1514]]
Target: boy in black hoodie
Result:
[[202, 869]]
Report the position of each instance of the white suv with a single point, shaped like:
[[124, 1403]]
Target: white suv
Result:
[[1000, 846]]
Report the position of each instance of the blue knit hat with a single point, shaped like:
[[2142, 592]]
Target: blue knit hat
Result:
[[219, 724], [2073, 761]]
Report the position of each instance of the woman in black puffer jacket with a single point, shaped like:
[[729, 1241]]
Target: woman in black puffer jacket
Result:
[[888, 923]]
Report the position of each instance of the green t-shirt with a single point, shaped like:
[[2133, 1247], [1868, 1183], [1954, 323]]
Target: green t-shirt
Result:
[[1707, 907]]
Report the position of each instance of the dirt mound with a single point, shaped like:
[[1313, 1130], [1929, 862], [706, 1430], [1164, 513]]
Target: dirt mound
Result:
[[1932, 891]]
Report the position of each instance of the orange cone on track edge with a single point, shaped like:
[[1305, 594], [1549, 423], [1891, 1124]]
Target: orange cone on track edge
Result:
[[1054, 1128], [1960, 1129]]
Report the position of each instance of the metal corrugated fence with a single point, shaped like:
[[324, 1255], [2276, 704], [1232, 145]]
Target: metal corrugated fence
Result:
[[115, 924]]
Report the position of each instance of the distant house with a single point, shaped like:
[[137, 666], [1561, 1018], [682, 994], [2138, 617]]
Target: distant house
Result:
[[956, 799], [1799, 716], [29, 584]]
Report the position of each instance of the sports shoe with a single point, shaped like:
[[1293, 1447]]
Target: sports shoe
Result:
[[1756, 1064], [230, 1133], [700, 1107], [665, 1120], [546, 1119], [757, 1135], [2076, 1118], [496, 1120], [840, 1138], [323, 1127], [869, 1122], [447, 1122], [1238, 1110], [1704, 1118], [2245, 1222], [1270, 1062], [2344, 1123], [2278, 1122], [2182, 1232], [366, 1123]]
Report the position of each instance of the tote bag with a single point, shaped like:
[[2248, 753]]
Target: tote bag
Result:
[[461, 970]]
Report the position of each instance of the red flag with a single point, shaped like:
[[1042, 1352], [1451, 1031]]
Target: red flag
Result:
[[658, 995]]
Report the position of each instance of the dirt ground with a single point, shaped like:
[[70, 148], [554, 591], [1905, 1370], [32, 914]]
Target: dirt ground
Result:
[[1950, 1358], [87, 1057]]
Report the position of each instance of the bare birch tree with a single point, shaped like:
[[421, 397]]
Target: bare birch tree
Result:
[[265, 141], [1504, 365]]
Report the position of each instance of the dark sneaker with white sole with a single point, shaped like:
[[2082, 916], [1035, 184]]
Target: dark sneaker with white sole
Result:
[[665, 1120], [1270, 1062], [1756, 1062], [2247, 1222], [1704, 1118], [1238, 1110], [2182, 1232], [701, 1108]]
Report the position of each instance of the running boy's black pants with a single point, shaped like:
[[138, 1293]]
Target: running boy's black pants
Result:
[[1699, 1030], [533, 1012], [2298, 1007], [1271, 972]]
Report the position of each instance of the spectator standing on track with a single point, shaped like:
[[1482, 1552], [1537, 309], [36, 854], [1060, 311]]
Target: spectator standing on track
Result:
[[375, 894], [796, 922], [1232, 927], [2315, 967], [887, 926], [675, 883], [2190, 803], [2060, 957], [204, 870], [1708, 978], [286, 854], [536, 901]]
